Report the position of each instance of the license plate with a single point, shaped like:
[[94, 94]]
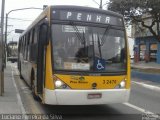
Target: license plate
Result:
[[94, 96]]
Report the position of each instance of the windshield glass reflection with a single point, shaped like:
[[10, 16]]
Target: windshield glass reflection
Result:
[[86, 48]]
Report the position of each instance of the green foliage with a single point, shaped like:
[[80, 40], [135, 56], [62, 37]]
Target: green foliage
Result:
[[135, 8], [134, 11]]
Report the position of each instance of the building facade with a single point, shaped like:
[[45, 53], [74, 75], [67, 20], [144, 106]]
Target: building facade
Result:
[[146, 46]]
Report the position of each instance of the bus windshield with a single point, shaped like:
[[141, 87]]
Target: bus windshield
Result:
[[88, 48]]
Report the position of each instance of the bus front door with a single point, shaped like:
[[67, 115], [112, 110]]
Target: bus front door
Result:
[[41, 58]]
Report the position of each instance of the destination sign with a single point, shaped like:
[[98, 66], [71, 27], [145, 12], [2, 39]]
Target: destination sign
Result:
[[82, 16]]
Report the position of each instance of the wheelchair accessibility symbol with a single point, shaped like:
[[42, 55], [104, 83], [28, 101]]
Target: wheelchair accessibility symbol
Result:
[[99, 65]]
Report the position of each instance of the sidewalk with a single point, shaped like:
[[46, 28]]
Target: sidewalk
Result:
[[146, 66], [9, 102], [146, 71]]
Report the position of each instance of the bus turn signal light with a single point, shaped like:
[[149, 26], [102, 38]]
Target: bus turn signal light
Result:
[[121, 85]]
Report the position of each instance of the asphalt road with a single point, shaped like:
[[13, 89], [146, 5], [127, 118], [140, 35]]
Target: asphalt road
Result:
[[144, 102]]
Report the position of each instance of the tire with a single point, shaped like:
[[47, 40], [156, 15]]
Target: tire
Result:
[[35, 97]]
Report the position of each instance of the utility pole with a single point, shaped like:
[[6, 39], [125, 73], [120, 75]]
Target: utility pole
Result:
[[100, 4], [2, 51]]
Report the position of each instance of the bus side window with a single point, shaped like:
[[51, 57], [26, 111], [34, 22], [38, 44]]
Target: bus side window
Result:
[[31, 45], [24, 46], [35, 36], [28, 43], [30, 36], [19, 45], [33, 48], [35, 44]]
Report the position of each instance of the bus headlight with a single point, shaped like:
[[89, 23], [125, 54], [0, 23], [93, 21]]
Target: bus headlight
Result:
[[121, 85], [59, 84]]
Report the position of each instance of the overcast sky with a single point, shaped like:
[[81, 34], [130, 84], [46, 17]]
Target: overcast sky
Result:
[[22, 19]]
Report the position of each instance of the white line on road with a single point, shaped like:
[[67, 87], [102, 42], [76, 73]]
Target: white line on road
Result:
[[146, 112], [18, 95], [137, 108], [141, 109], [147, 86]]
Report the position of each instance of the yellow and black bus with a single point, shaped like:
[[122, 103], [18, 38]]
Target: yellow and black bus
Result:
[[72, 55]]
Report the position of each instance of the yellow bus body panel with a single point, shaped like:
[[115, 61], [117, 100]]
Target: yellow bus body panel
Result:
[[48, 77], [128, 83], [86, 82]]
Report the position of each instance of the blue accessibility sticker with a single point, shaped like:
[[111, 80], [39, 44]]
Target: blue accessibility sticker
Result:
[[99, 64]]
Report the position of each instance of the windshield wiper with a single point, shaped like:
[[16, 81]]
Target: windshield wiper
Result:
[[78, 33], [99, 47], [102, 39]]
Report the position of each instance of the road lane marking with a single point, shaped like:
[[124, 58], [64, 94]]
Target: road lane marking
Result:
[[18, 94], [146, 112], [147, 86], [138, 108]]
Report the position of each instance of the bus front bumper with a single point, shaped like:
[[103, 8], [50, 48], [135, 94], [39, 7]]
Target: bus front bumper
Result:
[[80, 97]]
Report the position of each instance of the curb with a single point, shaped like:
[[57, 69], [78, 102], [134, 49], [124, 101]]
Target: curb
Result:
[[146, 76], [145, 68]]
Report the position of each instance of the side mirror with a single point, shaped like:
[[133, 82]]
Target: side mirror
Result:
[[43, 34]]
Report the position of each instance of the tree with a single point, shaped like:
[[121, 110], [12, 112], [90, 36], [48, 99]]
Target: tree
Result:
[[135, 10]]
